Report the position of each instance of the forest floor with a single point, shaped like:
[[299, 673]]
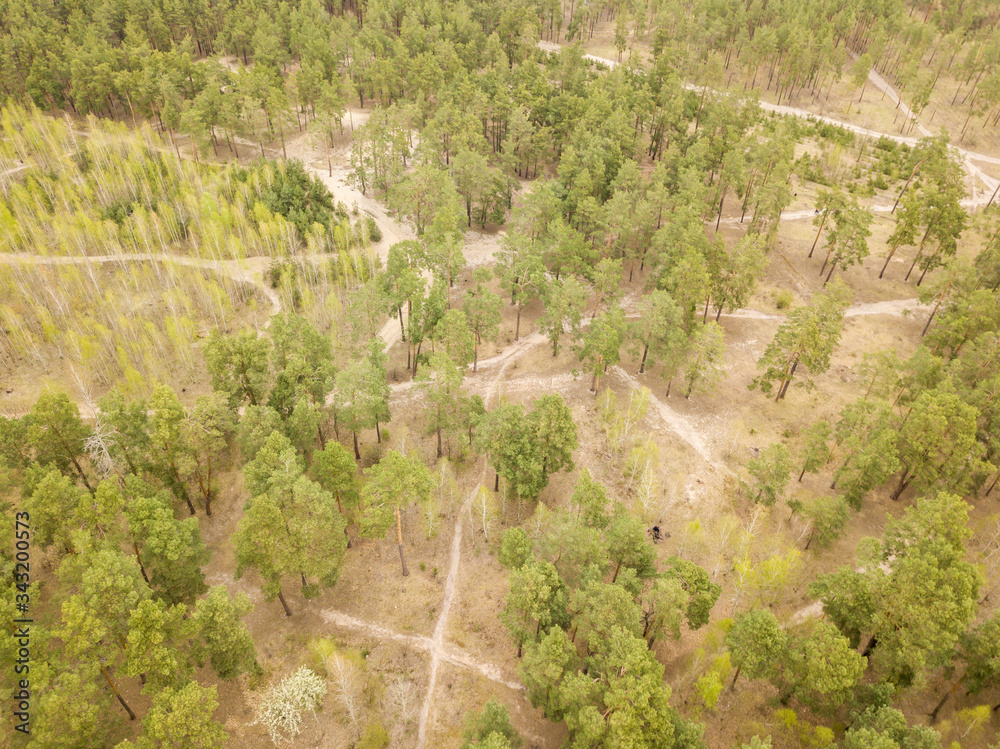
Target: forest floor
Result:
[[438, 628]]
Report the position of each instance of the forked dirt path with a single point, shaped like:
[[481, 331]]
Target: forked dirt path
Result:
[[449, 654], [438, 651]]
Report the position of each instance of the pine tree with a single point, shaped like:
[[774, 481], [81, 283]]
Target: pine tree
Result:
[[807, 337], [222, 636], [293, 529], [395, 483]]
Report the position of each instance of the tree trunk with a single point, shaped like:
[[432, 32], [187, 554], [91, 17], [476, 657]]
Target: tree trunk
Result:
[[892, 251], [904, 481], [357, 452], [827, 258], [517, 328], [184, 493], [399, 541], [832, 268], [921, 279], [732, 685], [786, 383], [818, 232], [114, 688], [993, 197], [72, 457], [907, 184], [949, 693], [934, 311], [176, 150], [913, 264], [993, 485], [642, 364], [284, 605], [138, 559]]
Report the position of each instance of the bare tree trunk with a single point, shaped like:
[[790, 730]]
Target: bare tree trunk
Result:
[[934, 311], [828, 275], [904, 482], [993, 197], [907, 184], [399, 540], [892, 251], [284, 605], [114, 688], [138, 559], [819, 231]]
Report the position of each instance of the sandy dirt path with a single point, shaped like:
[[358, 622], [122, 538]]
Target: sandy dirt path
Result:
[[438, 650], [450, 654], [247, 270]]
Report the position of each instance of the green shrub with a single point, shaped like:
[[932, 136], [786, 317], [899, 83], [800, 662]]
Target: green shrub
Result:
[[784, 299], [374, 233], [374, 737]]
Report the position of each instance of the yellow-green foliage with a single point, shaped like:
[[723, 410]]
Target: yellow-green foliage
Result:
[[764, 579], [620, 426], [320, 650], [374, 737], [969, 726], [710, 684], [801, 732], [130, 254]]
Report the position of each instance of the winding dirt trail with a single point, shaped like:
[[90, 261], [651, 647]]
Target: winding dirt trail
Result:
[[247, 270]]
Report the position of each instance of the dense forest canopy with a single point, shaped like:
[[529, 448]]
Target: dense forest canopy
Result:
[[284, 285]]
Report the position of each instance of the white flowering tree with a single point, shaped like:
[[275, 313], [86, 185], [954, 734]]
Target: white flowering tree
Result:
[[281, 707]]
